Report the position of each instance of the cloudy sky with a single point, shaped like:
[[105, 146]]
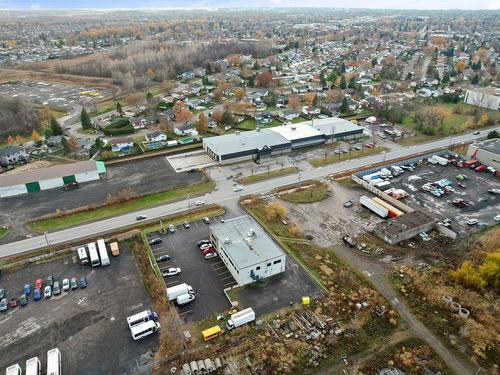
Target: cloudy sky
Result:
[[384, 4]]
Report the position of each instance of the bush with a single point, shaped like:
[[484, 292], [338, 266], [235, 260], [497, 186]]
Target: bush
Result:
[[119, 127]]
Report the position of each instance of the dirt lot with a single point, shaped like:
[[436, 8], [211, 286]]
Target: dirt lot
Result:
[[87, 325], [144, 176], [483, 206]]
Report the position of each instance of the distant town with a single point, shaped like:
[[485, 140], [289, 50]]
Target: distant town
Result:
[[249, 191]]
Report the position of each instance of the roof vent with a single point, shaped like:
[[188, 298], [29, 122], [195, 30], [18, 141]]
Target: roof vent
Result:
[[258, 129], [251, 233], [293, 128], [227, 240], [237, 132]]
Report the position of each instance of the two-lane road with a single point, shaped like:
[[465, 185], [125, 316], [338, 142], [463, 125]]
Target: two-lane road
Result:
[[221, 195]]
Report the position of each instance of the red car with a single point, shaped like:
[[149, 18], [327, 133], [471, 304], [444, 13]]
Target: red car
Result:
[[208, 250], [14, 302], [39, 284], [481, 168]]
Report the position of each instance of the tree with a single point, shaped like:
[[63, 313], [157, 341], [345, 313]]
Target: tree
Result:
[[72, 145], [239, 93], [227, 118], [217, 116], [352, 83], [322, 79], [334, 96], [11, 140], [492, 134], [490, 269], [332, 77], [130, 99], [264, 79], [55, 127], [475, 79], [275, 211], [294, 230], [343, 84], [294, 102], [344, 107], [202, 123], [85, 119], [149, 97], [167, 86], [19, 140], [184, 116], [36, 137], [468, 276], [484, 119], [119, 108], [309, 98]]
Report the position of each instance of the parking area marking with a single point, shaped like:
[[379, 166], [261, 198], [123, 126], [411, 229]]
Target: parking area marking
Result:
[[185, 312]]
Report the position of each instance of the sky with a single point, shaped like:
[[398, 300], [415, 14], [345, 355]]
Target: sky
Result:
[[376, 4]]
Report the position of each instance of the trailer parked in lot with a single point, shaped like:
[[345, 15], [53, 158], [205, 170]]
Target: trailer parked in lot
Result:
[[240, 318], [374, 207], [393, 211], [178, 290]]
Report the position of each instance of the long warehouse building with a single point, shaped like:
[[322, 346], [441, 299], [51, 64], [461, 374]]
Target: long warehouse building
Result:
[[49, 178], [268, 142]]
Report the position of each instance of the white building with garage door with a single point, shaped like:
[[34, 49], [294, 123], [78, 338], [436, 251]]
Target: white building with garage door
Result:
[[49, 178], [247, 250]]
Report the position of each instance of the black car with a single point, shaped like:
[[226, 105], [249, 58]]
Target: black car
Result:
[[2, 293], [155, 241], [83, 282], [23, 301], [140, 217], [202, 242], [162, 258], [50, 281]]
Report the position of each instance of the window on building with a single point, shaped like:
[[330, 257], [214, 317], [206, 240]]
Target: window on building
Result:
[[277, 261]]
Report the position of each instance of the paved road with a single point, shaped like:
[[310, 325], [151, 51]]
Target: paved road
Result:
[[222, 195]]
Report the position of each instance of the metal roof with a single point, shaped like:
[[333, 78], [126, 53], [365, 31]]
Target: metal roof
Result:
[[298, 131], [245, 242], [334, 125], [48, 173], [9, 150], [490, 145], [244, 141]]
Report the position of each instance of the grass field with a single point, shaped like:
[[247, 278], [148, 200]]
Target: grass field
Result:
[[337, 158], [307, 195], [266, 175], [151, 200], [3, 232], [249, 124]]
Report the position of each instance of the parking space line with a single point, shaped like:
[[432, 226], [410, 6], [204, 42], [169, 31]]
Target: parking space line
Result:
[[185, 312], [226, 278]]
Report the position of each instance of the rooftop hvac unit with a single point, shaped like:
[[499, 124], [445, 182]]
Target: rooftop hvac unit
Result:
[[251, 233], [227, 240], [293, 128]]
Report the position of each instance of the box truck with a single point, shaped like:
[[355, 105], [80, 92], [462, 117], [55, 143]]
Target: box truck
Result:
[[240, 318], [374, 207], [178, 290]]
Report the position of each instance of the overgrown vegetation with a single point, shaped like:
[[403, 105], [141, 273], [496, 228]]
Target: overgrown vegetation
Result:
[[119, 126], [336, 158], [307, 192], [3, 232], [18, 117], [266, 175]]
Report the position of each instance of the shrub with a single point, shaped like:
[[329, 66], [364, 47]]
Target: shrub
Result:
[[119, 127]]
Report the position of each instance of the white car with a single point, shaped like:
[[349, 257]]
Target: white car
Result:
[[47, 292], [171, 272], [238, 188], [199, 203], [496, 218], [211, 255], [65, 284], [472, 222]]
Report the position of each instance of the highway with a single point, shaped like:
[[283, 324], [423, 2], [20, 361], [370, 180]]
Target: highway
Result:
[[223, 193]]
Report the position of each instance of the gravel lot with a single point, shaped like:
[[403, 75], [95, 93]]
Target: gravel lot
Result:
[[87, 325]]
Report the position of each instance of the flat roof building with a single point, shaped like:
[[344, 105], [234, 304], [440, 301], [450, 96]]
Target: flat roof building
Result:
[[51, 177], [487, 152], [486, 97], [247, 250]]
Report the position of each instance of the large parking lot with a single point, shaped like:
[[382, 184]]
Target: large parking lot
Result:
[[144, 176], [482, 205], [87, 325]]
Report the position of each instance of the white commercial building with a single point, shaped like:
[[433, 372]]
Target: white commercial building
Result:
[[49, 178], [486, 97], [487, 152], [247, 250]]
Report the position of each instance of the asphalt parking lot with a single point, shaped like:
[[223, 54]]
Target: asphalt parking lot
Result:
[[87, 325], [208, 278], [483, 206], [144, 176]]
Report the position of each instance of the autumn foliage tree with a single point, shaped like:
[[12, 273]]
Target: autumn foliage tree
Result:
[[184, 116], [239, 93], [36, 137], [202, 123], [275, 211], [264, 79]]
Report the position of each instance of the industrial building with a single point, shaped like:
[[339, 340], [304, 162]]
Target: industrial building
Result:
[[50, 178], [267, 142], [246, 249], [486, 97], [487, 152]]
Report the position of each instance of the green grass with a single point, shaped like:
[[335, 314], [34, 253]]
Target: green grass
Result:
[[3, 232], [308, 195], [337, 158], [266, 175], [151, 200]]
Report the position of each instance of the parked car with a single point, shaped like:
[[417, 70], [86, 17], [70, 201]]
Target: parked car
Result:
[[73, 284], [140, 217], [162, 258], [171, 272], [2, 293], [211, 255], [206, 220], [186, 225], [83, 282], [205, 245], [348, 204], [496, 218], [23, 300], [155, 241], [37, 294], [202, 242], [171, 228], [476, 132], [3, 304], [50, 280], [56, 289], [208, 250], [47, 292], [472, 222], [199, 203], [39, 284], [238, 188], [349, 241], [65, 285], [27, 289], [14, 302]]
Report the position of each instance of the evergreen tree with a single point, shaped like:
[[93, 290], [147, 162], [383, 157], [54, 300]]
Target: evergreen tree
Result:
[[55, 127], [119, 108], [475, 80], [343, 83], [85, 119], [344, 107], [352, 83], [322, 79]]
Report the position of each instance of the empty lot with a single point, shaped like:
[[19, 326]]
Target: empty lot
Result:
[[87, 325], [144, 176]]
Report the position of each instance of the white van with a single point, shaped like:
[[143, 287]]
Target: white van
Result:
[[33, 366], [145, 329], [13, 370], [141, 317], [54, 362], [82, 255]]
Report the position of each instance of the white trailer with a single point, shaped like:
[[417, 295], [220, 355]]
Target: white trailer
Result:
[[103, 253], [13, 370], [33, 366], [94, 256], [240, 318], [374, 207], [440, 160], [178, 290], [54, 362]]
